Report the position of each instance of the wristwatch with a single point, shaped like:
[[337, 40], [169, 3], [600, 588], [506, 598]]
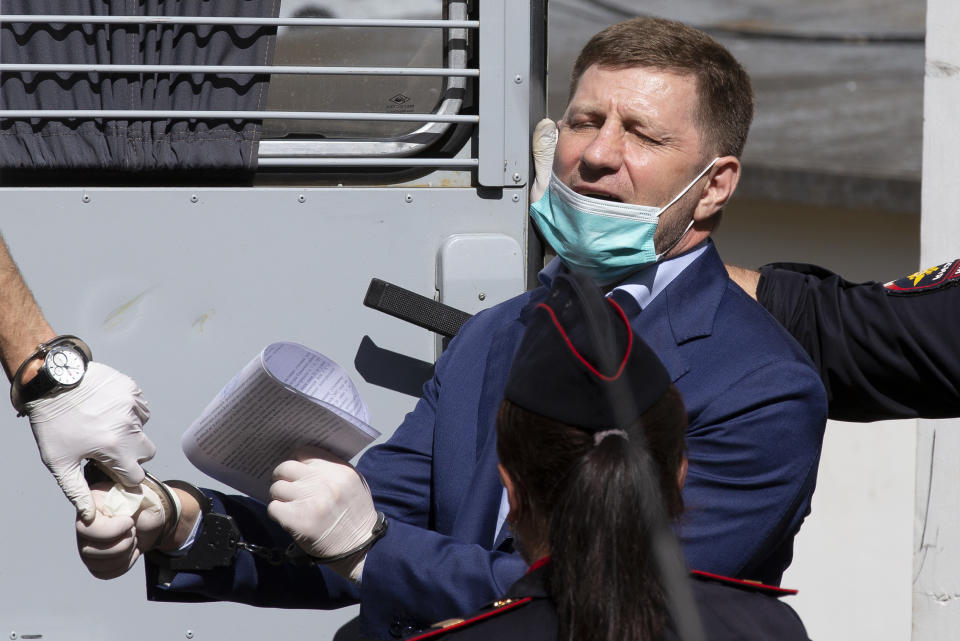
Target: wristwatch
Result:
[[65, 360]]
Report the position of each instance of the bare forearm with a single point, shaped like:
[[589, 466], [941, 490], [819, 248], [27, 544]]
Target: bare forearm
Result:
[[22, 325]]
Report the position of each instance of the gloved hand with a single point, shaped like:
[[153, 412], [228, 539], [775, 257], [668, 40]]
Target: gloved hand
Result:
[[128, 523], [326, 507], [544, 145], [100, 419]]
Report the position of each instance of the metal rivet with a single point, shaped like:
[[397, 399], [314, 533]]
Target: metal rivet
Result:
[[482, 296], [85, 198], [516, 178], [409, 198], [518, 79], [301, 198], [189, 634], [194, 198], [13, 635], [516, 198]]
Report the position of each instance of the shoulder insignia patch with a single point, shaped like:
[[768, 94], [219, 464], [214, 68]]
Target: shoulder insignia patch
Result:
[[437, 630], [927, 280], [745, 584]]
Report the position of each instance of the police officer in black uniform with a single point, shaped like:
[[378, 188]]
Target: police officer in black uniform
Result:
[[591, 448], [883, 351]]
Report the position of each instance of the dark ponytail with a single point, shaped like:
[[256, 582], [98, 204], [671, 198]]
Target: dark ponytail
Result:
[[604, 578], [595, 504]]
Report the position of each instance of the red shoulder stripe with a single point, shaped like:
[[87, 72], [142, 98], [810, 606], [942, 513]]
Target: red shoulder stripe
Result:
[[752, 585], [480, 617], [539, 563]]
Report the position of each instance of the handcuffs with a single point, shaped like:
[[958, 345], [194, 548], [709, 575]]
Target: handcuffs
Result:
[[218, 539]]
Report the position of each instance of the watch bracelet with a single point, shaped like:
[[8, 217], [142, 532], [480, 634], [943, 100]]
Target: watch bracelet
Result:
[[16, 383]]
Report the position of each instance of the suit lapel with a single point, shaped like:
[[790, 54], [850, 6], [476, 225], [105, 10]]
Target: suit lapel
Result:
[[684, 311], [477, 515]]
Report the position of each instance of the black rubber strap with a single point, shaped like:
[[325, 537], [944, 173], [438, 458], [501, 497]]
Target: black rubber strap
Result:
[[412, 307]]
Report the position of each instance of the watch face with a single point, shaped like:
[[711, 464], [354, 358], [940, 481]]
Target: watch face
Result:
[[65, 365]]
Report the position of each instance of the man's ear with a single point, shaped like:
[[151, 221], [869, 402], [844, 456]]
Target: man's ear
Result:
[[721, 182], [512, 497]]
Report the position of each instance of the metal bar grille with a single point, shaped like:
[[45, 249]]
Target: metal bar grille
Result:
[[233, 115], [447, 163], [226, 69], [323, 158], [277, 22]]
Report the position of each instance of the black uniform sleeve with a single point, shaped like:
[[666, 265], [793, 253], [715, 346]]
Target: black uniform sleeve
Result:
[[883, 352]]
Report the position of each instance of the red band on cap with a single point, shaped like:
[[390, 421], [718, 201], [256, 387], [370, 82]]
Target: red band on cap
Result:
[[580, 357]]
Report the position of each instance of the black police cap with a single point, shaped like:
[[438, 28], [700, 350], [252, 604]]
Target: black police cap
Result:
[[580, 363]]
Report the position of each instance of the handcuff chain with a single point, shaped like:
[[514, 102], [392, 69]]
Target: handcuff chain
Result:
[[273, 556], [296, 556]]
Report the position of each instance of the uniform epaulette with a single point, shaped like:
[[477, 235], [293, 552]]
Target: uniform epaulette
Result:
[[497, 607], [744, 584], [927, 280]]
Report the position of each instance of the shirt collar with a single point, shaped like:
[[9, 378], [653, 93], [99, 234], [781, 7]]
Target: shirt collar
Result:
[[644, 285]]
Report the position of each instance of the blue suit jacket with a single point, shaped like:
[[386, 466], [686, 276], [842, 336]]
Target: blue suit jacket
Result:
[[757, 412]]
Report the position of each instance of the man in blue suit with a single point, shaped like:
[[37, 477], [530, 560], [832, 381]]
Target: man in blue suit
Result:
[[646, 158]]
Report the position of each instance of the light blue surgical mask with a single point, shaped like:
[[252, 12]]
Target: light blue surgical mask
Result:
[[604, 240]]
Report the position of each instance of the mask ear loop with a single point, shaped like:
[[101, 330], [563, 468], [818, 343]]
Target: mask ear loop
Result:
[[678, 197]]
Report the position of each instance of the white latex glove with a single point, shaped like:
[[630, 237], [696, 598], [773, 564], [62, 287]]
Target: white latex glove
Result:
[[325, 505], [544, 145], [100, 419], [128, 523]]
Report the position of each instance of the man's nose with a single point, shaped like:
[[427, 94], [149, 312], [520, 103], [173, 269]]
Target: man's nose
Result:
[[605, 151]]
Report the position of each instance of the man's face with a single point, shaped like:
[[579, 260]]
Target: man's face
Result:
[[630, 135]]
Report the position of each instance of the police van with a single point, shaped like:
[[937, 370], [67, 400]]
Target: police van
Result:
[[185, 182]]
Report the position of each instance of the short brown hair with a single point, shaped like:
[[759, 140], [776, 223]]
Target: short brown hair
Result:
[[725, 95]]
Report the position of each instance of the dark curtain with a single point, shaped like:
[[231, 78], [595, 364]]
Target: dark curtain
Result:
[[133, 145]]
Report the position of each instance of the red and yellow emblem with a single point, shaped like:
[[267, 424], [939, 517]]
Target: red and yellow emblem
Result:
[[926, 280]]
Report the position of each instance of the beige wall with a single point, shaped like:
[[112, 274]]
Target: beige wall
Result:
[[860, 245]]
